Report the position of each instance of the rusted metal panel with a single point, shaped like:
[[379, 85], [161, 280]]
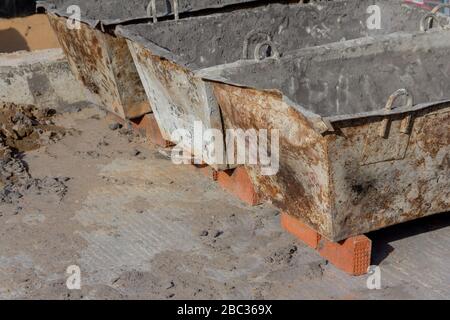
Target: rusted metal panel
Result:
[[178, 97], [398, 187], [302, 186], [133, 99], [104, 65]]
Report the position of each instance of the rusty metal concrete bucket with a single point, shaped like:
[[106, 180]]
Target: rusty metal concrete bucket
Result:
[[104, 66], [101, 61], [168, 54], [364, 129]]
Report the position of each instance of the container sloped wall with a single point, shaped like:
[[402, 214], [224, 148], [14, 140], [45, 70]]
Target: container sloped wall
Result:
[[179, 99], [105, 67]]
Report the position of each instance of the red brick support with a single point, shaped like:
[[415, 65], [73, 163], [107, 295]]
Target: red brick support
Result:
[[148, 127], [238, 183], [111, 117], [352, 256], [205, 170]]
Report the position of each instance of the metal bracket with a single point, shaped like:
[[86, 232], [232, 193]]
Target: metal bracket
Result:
[[151, 10], [247, 40], [152, 13], [271, 45], [175, 9], [426, 23]]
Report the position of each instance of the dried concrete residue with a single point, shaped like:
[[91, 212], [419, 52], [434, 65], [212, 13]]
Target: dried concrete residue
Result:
[[22, 129], [350, 78], [219, 38], [112, 10]]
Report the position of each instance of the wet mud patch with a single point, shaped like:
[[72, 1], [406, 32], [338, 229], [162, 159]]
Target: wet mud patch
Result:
[[25, 128]]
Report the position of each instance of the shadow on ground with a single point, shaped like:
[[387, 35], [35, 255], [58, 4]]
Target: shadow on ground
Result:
[[11, 41], [382, 239]]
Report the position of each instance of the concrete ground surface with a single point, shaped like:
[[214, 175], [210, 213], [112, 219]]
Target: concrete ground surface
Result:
[[140, 227]]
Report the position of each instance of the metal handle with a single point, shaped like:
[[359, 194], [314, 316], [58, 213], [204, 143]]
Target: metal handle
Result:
[[271, 45], [175, 9], [427, 20], [389, 107], [151, 10], [247, 40]]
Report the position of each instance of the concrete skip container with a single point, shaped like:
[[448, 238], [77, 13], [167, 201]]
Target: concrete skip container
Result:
[[169, 54], [101, 61], [364, 129]]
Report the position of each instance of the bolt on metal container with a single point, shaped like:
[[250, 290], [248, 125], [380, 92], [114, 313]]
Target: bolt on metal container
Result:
[[364, 128], [101, 61], [169, 54]]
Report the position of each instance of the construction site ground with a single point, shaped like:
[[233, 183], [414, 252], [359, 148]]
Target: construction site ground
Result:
[[140, 227]]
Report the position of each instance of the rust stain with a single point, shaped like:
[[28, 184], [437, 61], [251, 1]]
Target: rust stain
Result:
[[178, 96], [97, 59], [408, 180], [436, 126], [300, 187]]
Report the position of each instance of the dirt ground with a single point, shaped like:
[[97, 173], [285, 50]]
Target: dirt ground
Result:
[[140, 227]]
